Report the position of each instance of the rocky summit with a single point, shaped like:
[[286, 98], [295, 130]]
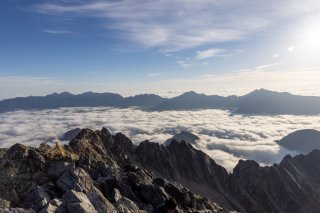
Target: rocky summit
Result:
[[101, 172]]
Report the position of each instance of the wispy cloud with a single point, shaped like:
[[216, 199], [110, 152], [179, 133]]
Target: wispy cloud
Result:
[[183, 63], [153, 74], [276, 55], [56, 31], [266, 66], [173, 25], [204, 54], [167, 24]]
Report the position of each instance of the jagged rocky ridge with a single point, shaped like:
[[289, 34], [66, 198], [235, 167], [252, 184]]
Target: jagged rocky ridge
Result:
[[99, 172], [94, 173]]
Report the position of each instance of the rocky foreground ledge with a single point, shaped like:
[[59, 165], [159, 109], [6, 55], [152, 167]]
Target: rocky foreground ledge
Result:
[[100, 172]]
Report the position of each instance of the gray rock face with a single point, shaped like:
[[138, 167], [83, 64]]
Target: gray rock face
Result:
[[75, 179], [124, 205], [76, 201], [57, 169], [287, 187], [37, 198]]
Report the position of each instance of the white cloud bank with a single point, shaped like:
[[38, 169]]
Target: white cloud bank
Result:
[[226, 138]]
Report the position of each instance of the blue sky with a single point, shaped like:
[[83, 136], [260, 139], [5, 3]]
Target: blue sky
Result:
[[164, 46]]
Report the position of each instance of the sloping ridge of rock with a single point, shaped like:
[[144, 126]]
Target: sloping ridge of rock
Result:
[[100, 172]]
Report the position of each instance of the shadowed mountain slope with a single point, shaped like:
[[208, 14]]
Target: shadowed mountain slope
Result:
[[302, 141]]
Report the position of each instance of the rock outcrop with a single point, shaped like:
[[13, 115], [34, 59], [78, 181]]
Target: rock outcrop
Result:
[[100, 172], [94, 173]]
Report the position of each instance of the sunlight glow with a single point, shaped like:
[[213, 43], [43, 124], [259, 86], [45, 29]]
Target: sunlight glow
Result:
[[308, 38]]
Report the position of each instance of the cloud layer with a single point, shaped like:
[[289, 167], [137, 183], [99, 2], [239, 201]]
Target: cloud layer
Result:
[[226, 138]]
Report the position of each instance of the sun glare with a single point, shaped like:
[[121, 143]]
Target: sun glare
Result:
[[308, 41], [312, 37]]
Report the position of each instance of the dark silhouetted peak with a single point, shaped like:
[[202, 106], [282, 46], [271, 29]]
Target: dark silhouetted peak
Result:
[[265, 94], [62, 94], [144, 100], [105, 131], [16, 152], [88, 143], [123, 144], [247, 167], [71, 134], [84, 133], [183, 136], [270, 102], [88, 93], [261, 92], [65, 93], [315, 153], [121, 138], [287, 158], [190, 94], [302, 141], [192, 100]]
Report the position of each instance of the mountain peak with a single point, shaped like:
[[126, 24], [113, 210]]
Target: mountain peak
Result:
[[186, 136], [65, 93], [190, 93], [261, 91]]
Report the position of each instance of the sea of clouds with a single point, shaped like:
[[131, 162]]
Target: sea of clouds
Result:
[[223, 136]]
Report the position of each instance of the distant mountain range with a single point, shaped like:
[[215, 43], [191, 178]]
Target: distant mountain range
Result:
[[257, 102], [88, 99]]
